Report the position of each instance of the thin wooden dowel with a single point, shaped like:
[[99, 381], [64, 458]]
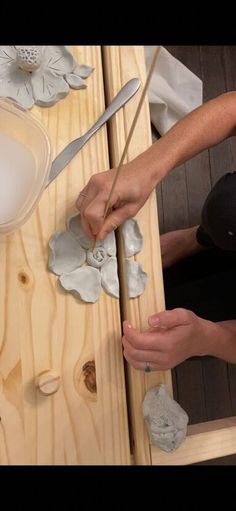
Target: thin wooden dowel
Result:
[[154, 60], [132, 128]]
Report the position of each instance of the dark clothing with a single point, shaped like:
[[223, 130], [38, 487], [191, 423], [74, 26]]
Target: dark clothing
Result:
[[218, 218], [206, 282]]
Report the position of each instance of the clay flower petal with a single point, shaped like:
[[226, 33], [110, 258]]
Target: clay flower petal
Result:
[[65, 254], [84, 282], [83, 70], [133, 240], [74, 226], [136, 278], [75, 81], [110, 282], [110, 244], [58, 60], [7, 58], [48, 87], [16, 84]]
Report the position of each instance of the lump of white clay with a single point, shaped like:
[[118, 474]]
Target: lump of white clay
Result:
[[65, 254], [96, 257], [136, 278], [109, 274], [165, 419], [84, 283], [132, 237]]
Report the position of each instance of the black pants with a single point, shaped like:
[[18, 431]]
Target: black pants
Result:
[[206, 282]]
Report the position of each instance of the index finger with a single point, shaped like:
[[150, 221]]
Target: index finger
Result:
[[154, 341]]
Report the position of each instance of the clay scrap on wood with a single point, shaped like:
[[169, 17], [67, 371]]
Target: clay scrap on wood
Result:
[[165, 419]]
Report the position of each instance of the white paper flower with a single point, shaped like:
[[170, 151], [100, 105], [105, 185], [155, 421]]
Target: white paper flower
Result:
[[39, 74], [82, 271]]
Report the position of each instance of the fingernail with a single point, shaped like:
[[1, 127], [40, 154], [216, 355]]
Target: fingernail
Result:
[[128, 325], [154, 321]]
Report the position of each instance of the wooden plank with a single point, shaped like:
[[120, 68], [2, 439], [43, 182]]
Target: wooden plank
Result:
[[205, 441], [121, 64], [85, 422]]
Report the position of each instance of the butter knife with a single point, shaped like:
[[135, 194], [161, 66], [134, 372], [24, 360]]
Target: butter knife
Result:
[[66, 155]]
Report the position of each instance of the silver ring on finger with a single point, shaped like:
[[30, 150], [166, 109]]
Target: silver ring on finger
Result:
[[147, 368]]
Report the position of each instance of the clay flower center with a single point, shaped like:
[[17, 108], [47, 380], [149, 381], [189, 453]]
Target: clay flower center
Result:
[[97, 257], [29, 58]]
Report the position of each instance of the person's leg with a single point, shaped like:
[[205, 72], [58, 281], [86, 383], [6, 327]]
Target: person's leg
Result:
[[204, 283]]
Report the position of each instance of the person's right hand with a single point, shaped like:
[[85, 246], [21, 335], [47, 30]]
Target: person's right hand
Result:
[[132, 189]]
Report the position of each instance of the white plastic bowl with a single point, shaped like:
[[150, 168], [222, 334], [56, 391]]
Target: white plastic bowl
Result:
[[25, 162]]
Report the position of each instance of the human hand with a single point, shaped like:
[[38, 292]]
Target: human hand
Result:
[[132, 189], [174, 336]]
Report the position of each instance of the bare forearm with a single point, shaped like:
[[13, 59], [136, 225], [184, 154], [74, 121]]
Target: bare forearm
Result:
[[203, 128], [222, 340]]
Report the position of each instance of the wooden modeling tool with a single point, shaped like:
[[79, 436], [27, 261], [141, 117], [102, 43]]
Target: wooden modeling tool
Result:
[[107, 207]]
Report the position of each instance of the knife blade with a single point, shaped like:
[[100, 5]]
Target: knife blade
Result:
[[66, 155]]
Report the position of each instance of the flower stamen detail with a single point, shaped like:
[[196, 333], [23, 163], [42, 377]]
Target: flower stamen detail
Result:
[[97, 257]]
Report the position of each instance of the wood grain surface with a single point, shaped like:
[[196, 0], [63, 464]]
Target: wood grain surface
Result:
[[43, 328], [205, 441], [121, 64]]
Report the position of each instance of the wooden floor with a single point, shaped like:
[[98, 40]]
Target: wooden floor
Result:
[[206, 388]]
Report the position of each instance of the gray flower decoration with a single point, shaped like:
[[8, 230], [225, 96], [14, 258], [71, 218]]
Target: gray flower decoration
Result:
[[39, 74], [84, 272]]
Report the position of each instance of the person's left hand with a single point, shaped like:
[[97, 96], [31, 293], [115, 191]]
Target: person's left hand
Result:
[[174, 336]]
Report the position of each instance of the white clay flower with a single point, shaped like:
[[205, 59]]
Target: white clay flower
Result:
[[84, 272], [81, 271], [39, 74]]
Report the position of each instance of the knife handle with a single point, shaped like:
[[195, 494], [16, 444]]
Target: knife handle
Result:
[[124, 95]]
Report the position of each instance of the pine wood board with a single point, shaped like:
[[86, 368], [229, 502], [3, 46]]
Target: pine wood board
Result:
[[43, 327], [121, 64], [205, 441]]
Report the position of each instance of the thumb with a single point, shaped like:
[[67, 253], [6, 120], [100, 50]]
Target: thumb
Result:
[[115, 219], [169, 318]]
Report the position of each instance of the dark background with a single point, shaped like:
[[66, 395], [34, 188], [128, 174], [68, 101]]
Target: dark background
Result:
[[205, 387]]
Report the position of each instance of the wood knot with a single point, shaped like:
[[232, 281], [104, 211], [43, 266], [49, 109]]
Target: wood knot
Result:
[[23, 278], [89, 373]]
